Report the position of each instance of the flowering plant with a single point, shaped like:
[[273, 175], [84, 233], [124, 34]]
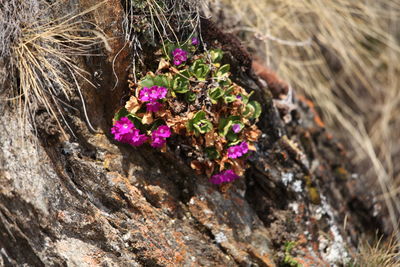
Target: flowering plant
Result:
[[191, 104]]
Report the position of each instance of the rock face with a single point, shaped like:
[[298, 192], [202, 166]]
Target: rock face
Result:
[[88, 201]]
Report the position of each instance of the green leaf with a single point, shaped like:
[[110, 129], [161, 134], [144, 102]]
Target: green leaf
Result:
[[231, 136], [223, 71], [199, 123], [200, 70], [159, 80], [212, 153], [200, 115], [203, 126], [229, 98], [190, 96], [235, 142], [215, 93], [180, 83], [168, 48], [147, 81], [121, 113], [216, 55], [137, 121], [225, 126], [253, 110]]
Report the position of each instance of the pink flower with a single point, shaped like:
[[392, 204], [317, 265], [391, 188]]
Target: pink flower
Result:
[[179, 55], [224, 177], [238, 150], [158, 142], [152, 94], [195, 41], [144, 94], [122, 127], [137, 139], [160, 135], [162, 131], [153, 106], [125, 131], [236, 128]]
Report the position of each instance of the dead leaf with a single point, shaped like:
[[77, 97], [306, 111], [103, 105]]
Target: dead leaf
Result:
[[197, 166], [164, 64], [238, 166], [210, 138], [133, 105], [148, 118], [209, 167]]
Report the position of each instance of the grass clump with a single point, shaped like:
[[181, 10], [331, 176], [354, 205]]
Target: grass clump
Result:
[[41, 47]]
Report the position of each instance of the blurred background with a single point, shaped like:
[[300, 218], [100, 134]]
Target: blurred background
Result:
[[344, 55]]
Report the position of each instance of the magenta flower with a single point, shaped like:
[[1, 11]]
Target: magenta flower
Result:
[[158, 142], [137, 139], [179, 55], [122, 127], [153, 106], [153, 94], [160, 135], [125, 131], [224, 177], [236, 128], [195, 41], [162, 131], [238, 150], [144, 94]]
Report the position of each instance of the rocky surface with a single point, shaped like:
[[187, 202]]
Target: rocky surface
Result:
[[88, 201]]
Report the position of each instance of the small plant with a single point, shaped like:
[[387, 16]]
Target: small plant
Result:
[[191, 102], [289, 260]]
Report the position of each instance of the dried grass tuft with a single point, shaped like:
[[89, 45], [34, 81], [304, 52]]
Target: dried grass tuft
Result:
[[42, 46]]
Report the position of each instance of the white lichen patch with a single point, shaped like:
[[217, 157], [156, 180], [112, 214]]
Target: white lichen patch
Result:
[[296, 186], [287, 178], [295, 207], [220, 238], [332, 248]]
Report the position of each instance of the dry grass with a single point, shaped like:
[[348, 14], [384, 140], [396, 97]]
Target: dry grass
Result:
[[345, 55], [385, 254], [42, 46], [166, 21]]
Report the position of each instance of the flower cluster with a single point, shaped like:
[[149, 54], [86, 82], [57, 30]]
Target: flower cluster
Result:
[[224, 177], [152, 95], [238, 150], [159, 136], [190, 100], [126, 132], [179, 55]]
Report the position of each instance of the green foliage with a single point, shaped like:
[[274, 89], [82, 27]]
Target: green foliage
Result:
[[180, 83], [199, 124], [252, 110], [223, 72], [216, 55], [225, 125], [215, 93], [289, 260], [212, 153], [200, 70], [159, 80]]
